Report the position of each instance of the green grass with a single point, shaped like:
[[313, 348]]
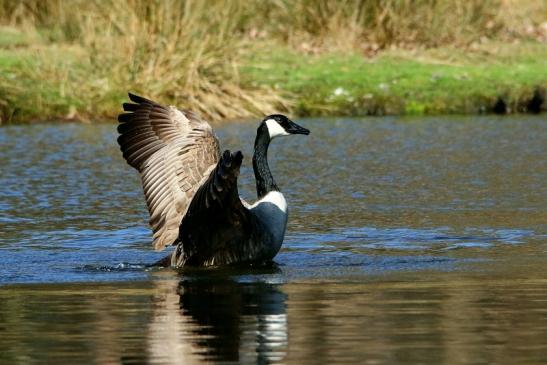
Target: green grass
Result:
[[227, 59], [33, 81], [12, 37], [37, 79], [443, 81]]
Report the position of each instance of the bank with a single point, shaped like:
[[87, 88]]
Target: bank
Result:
[[492, 78], [502, 78]]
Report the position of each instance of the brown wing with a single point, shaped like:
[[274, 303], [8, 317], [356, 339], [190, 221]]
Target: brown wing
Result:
[[172, 150]]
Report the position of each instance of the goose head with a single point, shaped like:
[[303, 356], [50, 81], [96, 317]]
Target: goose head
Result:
[[279, 125]]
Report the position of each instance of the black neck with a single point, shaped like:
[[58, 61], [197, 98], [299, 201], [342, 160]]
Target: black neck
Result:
[[264, 179]]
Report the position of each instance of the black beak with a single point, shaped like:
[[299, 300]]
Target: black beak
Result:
[[296, 129]]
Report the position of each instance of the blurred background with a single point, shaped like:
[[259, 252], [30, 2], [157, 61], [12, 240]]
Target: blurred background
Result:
[[229, 59]]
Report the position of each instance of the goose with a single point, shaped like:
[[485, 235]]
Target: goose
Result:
[[191, 190]]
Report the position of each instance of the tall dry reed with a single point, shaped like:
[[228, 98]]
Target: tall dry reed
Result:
[[185, 52], [356, 24], [188, 52]]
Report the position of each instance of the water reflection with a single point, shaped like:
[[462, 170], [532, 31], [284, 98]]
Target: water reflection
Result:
[[447, 318], [428, 318], [215, 316]]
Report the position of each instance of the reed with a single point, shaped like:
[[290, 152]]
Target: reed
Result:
[[181, 52], [77, 58], [350, 25]]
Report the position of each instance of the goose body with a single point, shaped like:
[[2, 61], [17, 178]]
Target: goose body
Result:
[[191, 188]]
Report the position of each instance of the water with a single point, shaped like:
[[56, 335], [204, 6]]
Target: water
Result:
[[409, 240]]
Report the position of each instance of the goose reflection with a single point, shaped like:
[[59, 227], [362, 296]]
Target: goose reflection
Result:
[[234, 320], [228, 315]]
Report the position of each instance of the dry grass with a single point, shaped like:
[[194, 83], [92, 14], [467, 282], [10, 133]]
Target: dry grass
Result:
[[181, 52], [373, 25], [81, 56]]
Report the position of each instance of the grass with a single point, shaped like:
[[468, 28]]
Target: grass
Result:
[[232, 58], [401, 82], [85, 56], [394, 82], [34, 84]]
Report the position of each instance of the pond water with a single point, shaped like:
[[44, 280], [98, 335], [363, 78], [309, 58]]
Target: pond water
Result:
[[409, 240]]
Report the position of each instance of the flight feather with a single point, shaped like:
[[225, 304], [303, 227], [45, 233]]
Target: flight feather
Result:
[[173, 150]]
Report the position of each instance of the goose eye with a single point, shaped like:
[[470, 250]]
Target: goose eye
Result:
[[285, 123]]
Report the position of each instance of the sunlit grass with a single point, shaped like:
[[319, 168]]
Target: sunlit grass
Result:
[[444, 81], [84, 64], [232, 58]]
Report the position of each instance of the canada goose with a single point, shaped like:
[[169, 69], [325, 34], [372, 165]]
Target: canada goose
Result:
[[191, 189]]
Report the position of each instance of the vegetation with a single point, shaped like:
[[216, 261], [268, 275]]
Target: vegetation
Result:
[[403, 82], [76, 59]]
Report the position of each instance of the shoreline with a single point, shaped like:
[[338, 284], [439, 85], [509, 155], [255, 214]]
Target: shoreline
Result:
[[394, 82]]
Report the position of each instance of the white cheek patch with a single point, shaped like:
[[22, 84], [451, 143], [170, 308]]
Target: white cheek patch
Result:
[[275, 130]]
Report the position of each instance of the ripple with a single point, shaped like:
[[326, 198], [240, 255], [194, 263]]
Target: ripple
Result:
[[123, 266], [386, 195], [407, 239]]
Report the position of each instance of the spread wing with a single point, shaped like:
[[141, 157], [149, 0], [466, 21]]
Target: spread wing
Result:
[[172, 150], [216, 204]]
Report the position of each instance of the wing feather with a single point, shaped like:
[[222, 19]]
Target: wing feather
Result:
[[216, 202], [172, 150]]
